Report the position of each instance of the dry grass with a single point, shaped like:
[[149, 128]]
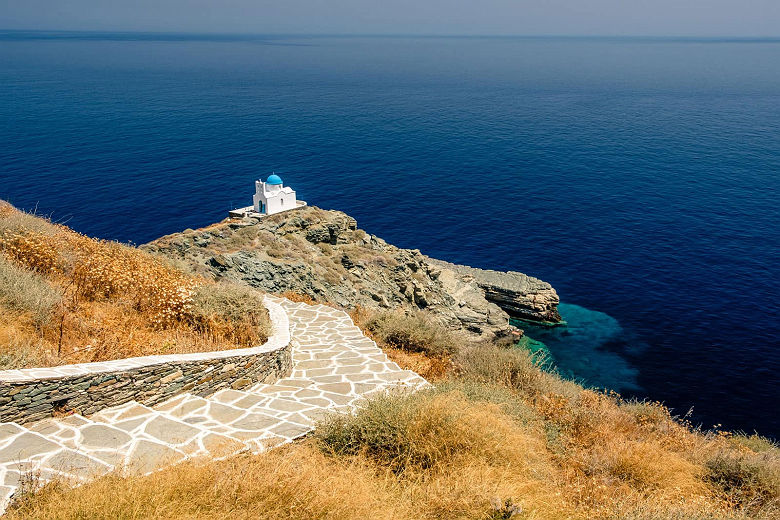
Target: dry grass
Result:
[[411, 332], [431, 368], [500, 437], [747, 480], [618, 457], [413, 341], [463, 450], [475, 456], [25, 292], [68, 298], [230, 314], [298, 298], [290, 483]]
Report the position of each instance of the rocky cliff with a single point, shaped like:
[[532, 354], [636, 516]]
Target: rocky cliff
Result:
[[521, 296], [323, 254]]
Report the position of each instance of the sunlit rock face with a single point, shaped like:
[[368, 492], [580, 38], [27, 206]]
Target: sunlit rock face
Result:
[[521, 296]]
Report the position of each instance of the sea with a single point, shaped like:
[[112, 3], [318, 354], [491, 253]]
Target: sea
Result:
[[639, 176]]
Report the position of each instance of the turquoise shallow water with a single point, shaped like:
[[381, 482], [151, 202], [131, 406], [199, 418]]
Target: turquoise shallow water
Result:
[[591, 348], [640, 177]]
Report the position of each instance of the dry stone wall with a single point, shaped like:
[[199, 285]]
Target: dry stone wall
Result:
[[32, 394]]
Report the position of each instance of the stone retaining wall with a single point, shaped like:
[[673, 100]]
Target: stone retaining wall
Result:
[[32, 394]]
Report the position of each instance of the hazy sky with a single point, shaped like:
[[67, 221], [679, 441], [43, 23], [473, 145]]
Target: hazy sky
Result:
[[552, 17]]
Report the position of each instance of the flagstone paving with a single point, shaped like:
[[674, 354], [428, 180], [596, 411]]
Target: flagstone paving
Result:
[[334, 367]]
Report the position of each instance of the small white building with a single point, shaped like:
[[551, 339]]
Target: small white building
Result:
[[271, 197]]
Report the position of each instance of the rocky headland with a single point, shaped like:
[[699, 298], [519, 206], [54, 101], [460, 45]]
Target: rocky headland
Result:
[[325, 256]]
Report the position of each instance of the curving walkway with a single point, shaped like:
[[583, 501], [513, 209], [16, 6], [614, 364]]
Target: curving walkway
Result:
[[334, 366]]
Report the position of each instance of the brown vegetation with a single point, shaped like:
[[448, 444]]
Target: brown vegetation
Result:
[[298, 298], [414, 341], [463, 450], [500, 436], [68, 298]]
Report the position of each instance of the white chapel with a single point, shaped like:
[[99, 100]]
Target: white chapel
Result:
[[271, 197]]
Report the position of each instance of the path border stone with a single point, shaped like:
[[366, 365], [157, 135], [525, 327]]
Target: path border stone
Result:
[[334, 369], [32, 394]]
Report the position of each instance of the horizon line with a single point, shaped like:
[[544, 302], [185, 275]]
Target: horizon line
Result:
[[394, 35]]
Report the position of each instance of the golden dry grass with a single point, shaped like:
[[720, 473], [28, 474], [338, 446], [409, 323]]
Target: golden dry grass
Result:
[[477, 458], [431, 368], [499, 436], [465, 450], [68, 298], [298, 297], [618, 457], [462, 451], [291, 483]]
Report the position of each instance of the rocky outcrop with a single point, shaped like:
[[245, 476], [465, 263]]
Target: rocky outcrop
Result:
[[521, 296], [323, 255]]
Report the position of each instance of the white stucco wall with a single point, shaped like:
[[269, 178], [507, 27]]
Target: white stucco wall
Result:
[[274, 198]]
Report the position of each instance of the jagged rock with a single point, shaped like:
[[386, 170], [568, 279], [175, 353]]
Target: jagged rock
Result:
[[323, 254], [520, 295]]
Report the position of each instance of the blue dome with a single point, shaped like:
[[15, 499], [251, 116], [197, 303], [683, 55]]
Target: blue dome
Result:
[[273, 180]]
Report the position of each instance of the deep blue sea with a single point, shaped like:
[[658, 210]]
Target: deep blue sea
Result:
[[640, 177]]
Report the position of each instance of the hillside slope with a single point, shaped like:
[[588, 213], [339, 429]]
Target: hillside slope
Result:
[[68, 298], [323, 255]]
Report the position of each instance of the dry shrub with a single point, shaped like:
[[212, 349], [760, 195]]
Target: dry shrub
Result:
[[450, 455], [76, 299], [650, 414], [13, 221], [748, 480], [515, 368], [23, 291], [464, 450], [647, 466], [424, 430], [753, 442], [298, 297], [617, 456], [100, 269], [230, 313], [20, 346], [291, 483], [107, 270], [331, 275], [631, 507], [31, 249], [415, 332], [506, 399], [431, 368]]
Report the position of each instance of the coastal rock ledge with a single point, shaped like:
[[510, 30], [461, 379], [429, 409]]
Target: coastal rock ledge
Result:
[[323, 255], [521, 296]]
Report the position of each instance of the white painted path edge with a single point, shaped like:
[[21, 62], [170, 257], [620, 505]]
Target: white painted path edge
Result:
[[334, 367]]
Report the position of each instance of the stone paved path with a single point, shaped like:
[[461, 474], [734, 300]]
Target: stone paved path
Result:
[[334, 366]]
